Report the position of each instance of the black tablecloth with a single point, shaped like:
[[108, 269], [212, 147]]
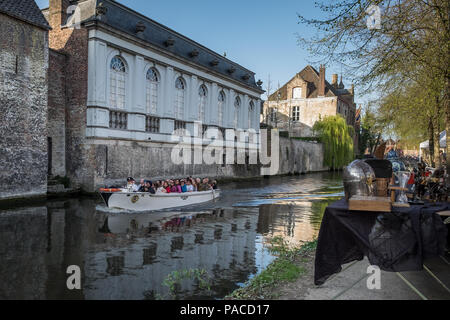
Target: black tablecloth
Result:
[[395, 241]]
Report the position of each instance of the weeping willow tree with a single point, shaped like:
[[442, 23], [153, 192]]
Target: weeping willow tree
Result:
[[337, 138]]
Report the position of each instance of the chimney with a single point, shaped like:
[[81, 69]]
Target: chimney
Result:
[[321, 81], [334, 80], [352, 90], [58, 12]]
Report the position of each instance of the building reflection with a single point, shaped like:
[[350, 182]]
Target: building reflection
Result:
[[292, 221], [128, 256], [222, 242]]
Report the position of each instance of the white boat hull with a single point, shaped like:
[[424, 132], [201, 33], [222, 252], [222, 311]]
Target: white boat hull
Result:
[[143, 201]]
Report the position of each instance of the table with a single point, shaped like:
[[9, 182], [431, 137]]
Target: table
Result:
[[394, 241]]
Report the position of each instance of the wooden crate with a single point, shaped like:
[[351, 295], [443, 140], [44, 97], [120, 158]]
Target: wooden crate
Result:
[[365, 203]]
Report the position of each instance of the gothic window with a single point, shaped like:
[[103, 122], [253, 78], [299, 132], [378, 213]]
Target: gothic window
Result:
[[251, 109], [179, 98], [152, 90], [220, 105], [117, 83], [237, 105], [296, 114], [202, 95]]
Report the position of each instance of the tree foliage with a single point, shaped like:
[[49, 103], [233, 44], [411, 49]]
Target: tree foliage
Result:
[[370, 131], [337, 138], [406, 57]]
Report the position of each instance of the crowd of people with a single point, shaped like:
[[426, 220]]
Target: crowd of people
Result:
[[189, 184]]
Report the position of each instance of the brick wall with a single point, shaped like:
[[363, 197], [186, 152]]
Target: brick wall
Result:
[[23, 108], [73, 43]]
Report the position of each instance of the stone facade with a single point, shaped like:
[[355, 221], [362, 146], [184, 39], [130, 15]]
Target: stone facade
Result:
[[23, 108], [305, 99], [98, 148], [117, 75], [57, 113], [298, 157]]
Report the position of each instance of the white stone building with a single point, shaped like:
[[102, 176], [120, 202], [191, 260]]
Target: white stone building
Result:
[[131, 83]]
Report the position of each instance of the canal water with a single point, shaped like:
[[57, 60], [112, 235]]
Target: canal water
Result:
[[124, 255]]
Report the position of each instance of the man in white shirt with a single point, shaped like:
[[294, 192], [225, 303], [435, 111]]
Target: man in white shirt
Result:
[[131, 185]]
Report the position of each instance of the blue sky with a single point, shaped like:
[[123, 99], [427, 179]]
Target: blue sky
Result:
[[259, 35]]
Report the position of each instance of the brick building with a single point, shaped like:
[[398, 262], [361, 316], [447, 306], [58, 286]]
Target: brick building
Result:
[[122, 83], [23, 99], [306, 98]]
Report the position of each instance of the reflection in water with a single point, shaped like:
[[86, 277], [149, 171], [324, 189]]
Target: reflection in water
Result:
[[125, 255]]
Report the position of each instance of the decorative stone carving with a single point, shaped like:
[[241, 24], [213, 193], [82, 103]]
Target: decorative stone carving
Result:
[[194, 53], [101, 10], [169, 42], [140, 27]]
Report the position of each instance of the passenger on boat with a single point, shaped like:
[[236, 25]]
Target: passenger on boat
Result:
[[141, 183], [214, 184], [194, 185], [161, 188], [189, 186], [142, 186], [183, 186], [167, 187], [178, 186], [149, 187], [131, 185], [173, 188], [204, 185]]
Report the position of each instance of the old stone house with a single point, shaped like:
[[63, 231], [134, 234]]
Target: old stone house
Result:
[[305, 99], [23, 99], [121, 84]]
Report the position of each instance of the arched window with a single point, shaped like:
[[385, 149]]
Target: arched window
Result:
[[202, 95], [152, 90], [251, 109], [237, 105], [179, 98], [117, 83], [220, 105]]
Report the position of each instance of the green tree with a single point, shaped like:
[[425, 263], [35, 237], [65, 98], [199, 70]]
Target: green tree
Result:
[[411, 40], [337, 138], [370, 130]]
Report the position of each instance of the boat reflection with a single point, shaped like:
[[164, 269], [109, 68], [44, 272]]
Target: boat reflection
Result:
[[145, 248]]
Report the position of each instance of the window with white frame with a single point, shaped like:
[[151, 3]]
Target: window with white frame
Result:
[[179, 98], [295, 113], [220, 105], [237, 105], [297, 93], [152, 90], [202, 95], [117, 78], [251, 109]]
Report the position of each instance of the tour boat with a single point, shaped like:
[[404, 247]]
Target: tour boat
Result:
[[144, 201]]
